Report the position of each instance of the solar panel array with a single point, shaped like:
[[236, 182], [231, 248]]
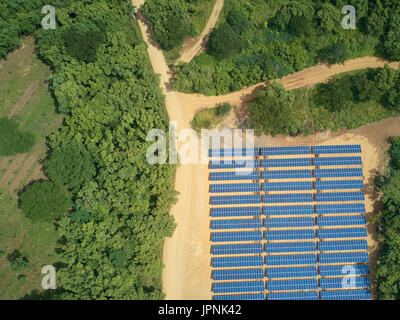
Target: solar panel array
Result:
[[288, 223]]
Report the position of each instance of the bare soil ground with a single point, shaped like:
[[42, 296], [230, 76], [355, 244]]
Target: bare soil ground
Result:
[[194, 46], [187, 272]]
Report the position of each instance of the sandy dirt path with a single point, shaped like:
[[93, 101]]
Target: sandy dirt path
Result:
[[26, 96], [194, 46], [186, 255], [306, 78]]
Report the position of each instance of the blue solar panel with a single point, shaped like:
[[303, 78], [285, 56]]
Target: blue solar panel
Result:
[[287, 186], [338, 173], [342, 270], [344, 257], [236, 236], [248, 286], [239, 152], [340, 208], [299, 272], [339, 196], [292, 285], [342, 233], [339, 185], [230, 262], [341, 221], [336, 149], [236, 224], [286, 174], [345, 283], [309, 295], [286, 163], [290, 235], [289, 222], [238, 274], [346, 295], [286, 247], [239, 199], [234, 175], [288, 210], [287, 260], [248, 248], [234, 187], [288, 198], [236, 212], [258, 296], [350, 245], [337, 161], [282, 151], [233, 164]]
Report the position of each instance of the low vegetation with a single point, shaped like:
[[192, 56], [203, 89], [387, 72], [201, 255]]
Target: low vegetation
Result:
[[347, 101], [387, 273], [209, 118], [258, 40]]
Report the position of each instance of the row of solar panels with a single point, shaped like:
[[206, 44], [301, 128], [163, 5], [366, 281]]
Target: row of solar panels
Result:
[[325, 221], [276, 235], [285, 163], [277, 151], [291, 272], [288, 247], [287, 198], [292, 285], [290, 260], [287, 186], [308, 295], [286, 174], [288, 210]]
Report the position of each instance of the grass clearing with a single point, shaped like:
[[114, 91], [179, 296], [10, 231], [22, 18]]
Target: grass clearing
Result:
[[210, 118], [38, 116]]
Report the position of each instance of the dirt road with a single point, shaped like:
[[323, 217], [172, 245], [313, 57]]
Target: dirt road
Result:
[[306, 78], [194, 46], [187, 272]]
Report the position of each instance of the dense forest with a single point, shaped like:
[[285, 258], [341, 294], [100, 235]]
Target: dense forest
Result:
[[347, 101], [109, 205], [260, 40], [387, 273]]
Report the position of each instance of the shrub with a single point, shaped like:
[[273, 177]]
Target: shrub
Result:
[[17, 260], [12, 140]]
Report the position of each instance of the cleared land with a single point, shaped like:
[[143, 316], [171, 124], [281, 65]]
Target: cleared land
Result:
[[187, 254], [25, 97]]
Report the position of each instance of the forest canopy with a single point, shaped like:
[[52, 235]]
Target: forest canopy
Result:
[[109, 205], [255, 41], [387, 273]]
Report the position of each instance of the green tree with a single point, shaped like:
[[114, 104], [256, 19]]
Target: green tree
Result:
[[12, 140], [70, 164], [45, 201], [17, 260]]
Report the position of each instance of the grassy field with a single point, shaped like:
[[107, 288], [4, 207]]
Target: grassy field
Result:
[[24, 93], [199, 21], [210, 118]]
